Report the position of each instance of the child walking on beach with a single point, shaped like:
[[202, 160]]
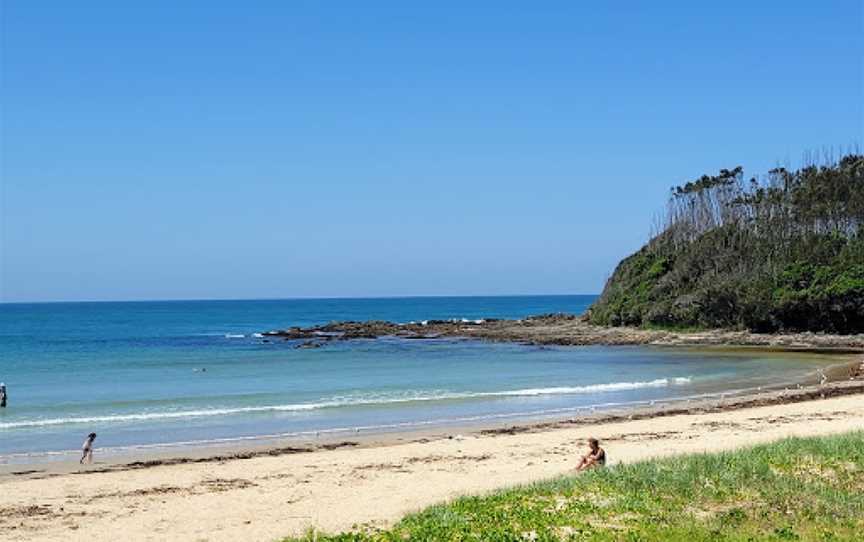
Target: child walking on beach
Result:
[[87, 448], [596, 456]]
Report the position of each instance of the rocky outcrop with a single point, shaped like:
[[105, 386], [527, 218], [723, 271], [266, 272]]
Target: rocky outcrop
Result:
[[564, 329]]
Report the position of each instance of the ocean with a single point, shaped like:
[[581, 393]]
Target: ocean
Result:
[[168, 374]]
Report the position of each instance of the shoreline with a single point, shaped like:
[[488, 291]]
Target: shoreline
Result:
[[845, 378], [268, 495]]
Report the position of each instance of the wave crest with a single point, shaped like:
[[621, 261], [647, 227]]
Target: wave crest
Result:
[[348, 401]]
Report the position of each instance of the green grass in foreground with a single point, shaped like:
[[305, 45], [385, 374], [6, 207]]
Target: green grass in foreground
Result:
[[795, 489]]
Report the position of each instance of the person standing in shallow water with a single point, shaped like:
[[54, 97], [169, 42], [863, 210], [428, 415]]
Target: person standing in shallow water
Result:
[[2, 395], [596, 456], [87, 449]]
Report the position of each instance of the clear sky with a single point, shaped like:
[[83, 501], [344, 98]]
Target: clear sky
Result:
[[216, 149]]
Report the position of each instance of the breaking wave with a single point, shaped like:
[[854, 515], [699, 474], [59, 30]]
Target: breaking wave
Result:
[[349, 401]]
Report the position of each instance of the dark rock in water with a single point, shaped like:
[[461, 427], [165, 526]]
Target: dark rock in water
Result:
[[438, 322], [293, 333], [551, 317], [557, 329]]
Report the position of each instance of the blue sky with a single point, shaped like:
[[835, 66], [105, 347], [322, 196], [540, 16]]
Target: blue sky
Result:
[[159, 150]]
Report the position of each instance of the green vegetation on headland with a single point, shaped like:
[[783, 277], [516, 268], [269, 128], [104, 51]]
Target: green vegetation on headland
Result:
[[782, 254], [795, 489]]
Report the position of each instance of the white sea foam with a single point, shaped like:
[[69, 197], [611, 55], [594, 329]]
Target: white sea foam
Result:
[[348, 401], [234, 336], [257, 335], [593, 388]]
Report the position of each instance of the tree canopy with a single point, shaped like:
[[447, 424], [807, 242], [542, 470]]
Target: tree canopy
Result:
[[785, 252]]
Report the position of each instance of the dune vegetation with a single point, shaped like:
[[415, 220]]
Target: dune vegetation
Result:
[[794, 489], [782, 253]]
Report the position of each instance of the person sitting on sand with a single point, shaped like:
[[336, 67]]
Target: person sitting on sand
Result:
[[596, 456], [87, 448]]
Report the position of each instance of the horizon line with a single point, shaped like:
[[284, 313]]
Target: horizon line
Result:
[[297, 298]]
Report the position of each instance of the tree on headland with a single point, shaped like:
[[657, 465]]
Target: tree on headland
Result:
[[782, 253]]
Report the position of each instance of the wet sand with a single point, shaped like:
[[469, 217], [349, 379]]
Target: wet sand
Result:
[[263, 493]]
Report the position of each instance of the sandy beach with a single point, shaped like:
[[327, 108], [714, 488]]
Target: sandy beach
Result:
[[267, 494]]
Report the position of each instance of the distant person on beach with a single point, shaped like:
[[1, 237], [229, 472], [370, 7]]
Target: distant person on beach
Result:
[[596, 456], [87, 448], [2, 395]]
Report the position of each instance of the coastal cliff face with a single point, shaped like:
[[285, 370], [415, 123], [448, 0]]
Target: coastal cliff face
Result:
[[782, 254]]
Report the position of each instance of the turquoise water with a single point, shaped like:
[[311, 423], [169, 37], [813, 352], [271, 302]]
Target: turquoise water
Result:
[[168, 373]]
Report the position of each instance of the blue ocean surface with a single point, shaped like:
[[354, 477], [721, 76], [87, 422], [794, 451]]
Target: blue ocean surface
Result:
[[157, 374]]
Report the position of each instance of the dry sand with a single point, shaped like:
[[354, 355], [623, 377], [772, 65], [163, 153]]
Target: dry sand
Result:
[[266, 497]]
